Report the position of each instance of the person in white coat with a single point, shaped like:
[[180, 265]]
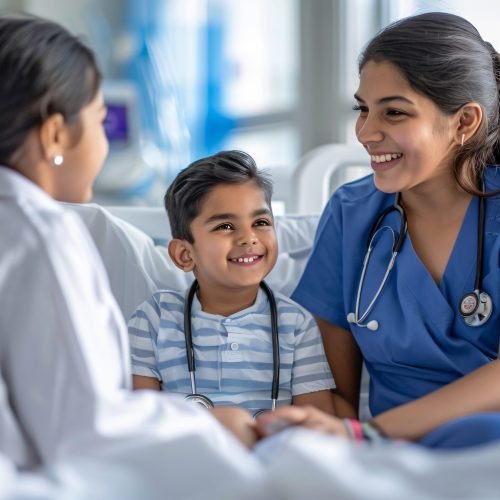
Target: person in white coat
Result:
[[64, 358]]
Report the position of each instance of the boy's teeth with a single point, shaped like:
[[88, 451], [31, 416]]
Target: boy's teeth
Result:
[[246, 260]]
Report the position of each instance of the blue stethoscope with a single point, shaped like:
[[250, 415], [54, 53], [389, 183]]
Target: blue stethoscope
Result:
[[475, 307], [188, 334]]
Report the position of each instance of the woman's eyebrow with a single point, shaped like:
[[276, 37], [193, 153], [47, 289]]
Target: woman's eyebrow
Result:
[[389, 98]]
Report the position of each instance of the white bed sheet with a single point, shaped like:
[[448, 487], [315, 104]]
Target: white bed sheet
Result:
[[295, 465]]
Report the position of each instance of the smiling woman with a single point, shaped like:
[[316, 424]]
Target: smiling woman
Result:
[[428, 106]]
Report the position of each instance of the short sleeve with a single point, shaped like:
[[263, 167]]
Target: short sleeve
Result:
[[320, 289], [311, 371], [143, 329]]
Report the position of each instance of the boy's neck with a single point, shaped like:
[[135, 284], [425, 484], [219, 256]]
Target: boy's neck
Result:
[[227, 302]]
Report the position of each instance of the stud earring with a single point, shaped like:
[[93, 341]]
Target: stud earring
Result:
[[463, 140], [58, 160]]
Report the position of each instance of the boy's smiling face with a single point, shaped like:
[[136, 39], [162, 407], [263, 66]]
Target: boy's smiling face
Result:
[[235, 242]]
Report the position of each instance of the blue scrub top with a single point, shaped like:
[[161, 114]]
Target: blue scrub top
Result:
[[422, 342]]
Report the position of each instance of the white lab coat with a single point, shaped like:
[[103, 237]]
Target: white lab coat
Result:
[[64, 359]]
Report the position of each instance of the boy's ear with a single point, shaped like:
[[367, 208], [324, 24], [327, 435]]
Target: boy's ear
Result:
[[180, 251]]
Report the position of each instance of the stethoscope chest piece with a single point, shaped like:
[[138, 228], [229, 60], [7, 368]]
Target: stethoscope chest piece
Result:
[[200, 399], [258, 413], [476, 308]]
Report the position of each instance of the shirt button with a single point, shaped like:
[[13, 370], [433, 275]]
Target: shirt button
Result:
[[234, 346]]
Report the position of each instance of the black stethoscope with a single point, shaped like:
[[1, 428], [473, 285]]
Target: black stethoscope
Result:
[[188, 335], [475, 307]]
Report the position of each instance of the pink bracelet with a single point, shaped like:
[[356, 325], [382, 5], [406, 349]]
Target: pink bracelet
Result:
[[356, 428]]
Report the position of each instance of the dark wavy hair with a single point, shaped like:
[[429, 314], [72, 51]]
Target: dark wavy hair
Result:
[[44, 70], [185, 195], [444, 58]]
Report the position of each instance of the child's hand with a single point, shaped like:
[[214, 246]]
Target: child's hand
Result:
[[239, 422], [307, 416]]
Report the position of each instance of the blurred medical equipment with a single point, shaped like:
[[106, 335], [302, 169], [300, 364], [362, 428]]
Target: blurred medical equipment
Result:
[[134, 170], [204, 400], [475, 307]]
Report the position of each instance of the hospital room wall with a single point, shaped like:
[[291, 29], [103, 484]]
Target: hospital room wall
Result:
[[95, 20], [73, 14]]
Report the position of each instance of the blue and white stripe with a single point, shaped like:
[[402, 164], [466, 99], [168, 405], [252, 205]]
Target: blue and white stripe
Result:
[[234, 363]]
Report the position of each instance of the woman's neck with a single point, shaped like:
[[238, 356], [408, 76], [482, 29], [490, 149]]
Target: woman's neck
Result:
[[438, 199]]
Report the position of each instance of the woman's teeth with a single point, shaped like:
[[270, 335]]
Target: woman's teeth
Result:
[[386, 157]]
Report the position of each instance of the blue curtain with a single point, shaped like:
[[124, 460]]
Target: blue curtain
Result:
[[180, 137]]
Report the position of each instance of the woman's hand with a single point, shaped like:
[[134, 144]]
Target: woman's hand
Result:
[[307, 416], [239, 422]]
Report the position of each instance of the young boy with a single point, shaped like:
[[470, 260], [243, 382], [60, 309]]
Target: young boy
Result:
[[223, 230]]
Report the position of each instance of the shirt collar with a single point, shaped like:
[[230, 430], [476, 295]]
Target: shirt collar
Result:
[[16, 186], [260, 305]]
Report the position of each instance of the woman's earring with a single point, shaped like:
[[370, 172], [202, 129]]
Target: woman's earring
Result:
[[463, 140], [58, 160]]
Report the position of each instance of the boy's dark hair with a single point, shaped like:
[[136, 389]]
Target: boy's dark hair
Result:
[[444, 58], [185, 195], [44, 70]]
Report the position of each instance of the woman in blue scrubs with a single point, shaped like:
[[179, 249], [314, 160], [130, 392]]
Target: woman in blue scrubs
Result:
[[428, 105]]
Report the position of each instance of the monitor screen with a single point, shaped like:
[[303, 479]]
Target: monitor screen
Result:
[[116, 124]]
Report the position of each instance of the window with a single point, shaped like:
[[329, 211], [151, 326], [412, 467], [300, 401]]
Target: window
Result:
[[483, 14]]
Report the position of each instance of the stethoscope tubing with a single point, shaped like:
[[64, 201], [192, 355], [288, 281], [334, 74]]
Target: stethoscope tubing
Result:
[[403, 226], [480, 245], [188, 336], [275, 339], [379, 290]]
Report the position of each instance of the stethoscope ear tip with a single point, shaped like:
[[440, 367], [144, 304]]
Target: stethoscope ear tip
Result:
[[372, 325], [351, 318]]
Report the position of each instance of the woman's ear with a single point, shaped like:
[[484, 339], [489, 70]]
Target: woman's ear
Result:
[[180, 251], [470, 117], [54, 136]]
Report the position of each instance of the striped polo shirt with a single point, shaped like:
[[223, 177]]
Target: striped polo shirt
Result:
[[233, 355]]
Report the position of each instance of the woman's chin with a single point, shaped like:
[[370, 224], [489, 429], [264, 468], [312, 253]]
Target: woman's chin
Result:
[[382, 183]]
